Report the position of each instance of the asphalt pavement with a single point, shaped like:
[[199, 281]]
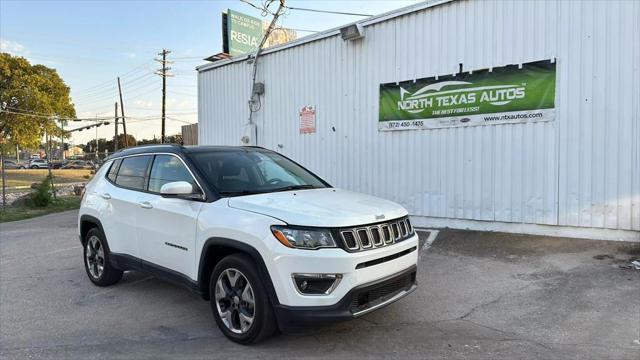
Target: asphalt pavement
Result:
[[480, 296]]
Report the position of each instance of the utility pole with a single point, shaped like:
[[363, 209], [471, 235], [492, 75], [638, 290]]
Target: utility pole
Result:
[[124, 124], [163, 73], [47, 138], [97, 137], [115, 114], [62, 138]]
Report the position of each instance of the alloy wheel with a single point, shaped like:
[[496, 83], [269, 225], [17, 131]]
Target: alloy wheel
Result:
[[235, 301], [95, 257]]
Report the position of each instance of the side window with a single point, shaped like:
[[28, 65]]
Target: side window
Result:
[[113, 170], [166, 169], [132, 172]]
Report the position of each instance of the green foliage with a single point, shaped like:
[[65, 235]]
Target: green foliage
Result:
[[171, 139], [103, 144], [42, 196], [38, 93]]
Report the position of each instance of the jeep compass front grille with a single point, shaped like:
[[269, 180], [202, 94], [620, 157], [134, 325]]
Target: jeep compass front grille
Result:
[[373, 236]]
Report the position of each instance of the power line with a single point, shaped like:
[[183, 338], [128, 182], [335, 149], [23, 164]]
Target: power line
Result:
[[327, 11], [102, 92], [110, 81], [49, 116]]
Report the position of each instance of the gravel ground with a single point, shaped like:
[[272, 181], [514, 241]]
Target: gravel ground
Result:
[[481, 296]]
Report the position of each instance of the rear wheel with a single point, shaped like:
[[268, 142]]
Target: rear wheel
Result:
[[239, 301], [96, 260]]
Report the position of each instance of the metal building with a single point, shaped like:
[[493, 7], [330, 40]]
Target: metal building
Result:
[[578, 175]]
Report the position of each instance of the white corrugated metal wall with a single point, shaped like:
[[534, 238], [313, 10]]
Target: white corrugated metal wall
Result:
[[581, 170]]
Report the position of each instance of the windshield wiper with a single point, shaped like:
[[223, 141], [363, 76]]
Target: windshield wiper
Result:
[[293, 187], [241, 192], [251, 192]]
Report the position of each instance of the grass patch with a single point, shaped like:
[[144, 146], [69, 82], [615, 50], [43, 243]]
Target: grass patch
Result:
[[63, 203], [26, 177]]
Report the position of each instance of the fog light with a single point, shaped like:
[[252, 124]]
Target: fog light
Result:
[[316, 284]]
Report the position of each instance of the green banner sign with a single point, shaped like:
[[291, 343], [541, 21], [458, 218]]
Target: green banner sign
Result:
[[244, 33], [509, 94]]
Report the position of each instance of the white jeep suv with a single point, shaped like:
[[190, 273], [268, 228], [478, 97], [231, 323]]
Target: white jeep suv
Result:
[[268, 242]]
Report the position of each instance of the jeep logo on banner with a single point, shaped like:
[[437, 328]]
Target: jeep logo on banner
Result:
[[509, 94]]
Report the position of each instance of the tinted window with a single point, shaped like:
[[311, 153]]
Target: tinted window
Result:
[[113, 171], [166, 169], [244, 172], [132, 172]]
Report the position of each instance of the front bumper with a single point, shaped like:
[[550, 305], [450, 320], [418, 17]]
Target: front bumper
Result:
[[357, 269], [358, 301]]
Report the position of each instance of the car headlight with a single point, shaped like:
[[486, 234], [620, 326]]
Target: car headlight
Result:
[[303, 238]]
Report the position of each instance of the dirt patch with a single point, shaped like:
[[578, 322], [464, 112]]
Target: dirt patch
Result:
[[512, 247]]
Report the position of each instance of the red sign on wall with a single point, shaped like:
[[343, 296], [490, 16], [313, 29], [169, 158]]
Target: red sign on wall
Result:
[[307, 119]]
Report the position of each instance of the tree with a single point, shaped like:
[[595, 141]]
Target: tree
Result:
[[121, 143], [104, 144], [90, 147], [171, 139], [32, 97]]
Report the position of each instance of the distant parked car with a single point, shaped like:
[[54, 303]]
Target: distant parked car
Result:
[[57, 164], [10, 164], [38, 164], [78, 164]]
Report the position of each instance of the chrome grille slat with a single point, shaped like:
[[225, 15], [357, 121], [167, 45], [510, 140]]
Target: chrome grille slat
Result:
[[365, 239], [349, 239], [409, 227], [403, 228], [386, 232], [395, 231], [373, 236]]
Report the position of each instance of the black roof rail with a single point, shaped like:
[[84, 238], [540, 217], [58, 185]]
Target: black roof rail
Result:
[[142, 149]]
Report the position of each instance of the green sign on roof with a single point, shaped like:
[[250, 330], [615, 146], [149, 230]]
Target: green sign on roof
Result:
[[244, 33]]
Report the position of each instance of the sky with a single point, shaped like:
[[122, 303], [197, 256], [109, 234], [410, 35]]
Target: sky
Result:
[[91, 43]]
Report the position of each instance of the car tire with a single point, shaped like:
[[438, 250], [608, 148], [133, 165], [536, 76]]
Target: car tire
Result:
[[97, 262], [34, 167], [231, 299]]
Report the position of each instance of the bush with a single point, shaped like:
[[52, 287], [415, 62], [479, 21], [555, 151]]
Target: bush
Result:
[[42, 196]]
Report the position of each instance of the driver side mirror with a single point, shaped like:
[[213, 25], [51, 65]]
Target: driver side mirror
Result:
[[179, 189]]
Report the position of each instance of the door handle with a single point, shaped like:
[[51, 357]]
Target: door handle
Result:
[[105, 196], [145, 205]]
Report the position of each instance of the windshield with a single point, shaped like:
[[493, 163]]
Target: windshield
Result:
[[234, 173]]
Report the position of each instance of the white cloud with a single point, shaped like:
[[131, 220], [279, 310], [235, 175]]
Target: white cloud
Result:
[[180, 104], [13, 47], [131, 55], [143, 104]]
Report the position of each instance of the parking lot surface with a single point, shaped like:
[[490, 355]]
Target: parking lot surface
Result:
[[481, 296]]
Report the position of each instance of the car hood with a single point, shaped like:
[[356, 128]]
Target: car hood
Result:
[[328, 207]]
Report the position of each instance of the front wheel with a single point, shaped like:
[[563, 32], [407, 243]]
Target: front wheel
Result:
[[239, 301], [96, 260]]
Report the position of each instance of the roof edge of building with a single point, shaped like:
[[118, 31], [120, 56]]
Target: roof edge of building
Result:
[[329, 33]]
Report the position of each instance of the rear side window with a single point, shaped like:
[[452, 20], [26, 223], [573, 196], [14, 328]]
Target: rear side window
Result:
[[166, 169], [132, 172], [113, 171]]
